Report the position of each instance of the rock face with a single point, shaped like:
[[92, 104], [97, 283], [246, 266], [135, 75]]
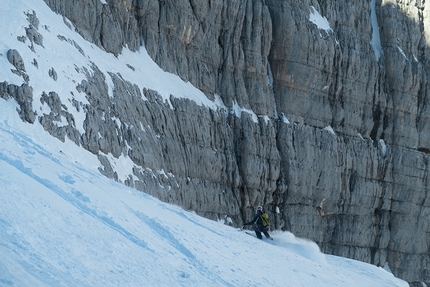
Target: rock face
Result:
[[341, 142]]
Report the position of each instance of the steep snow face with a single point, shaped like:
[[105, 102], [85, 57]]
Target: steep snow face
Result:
[[63, 50], [64, 224]]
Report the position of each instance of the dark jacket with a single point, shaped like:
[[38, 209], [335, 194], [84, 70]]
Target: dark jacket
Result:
[[257, 221]]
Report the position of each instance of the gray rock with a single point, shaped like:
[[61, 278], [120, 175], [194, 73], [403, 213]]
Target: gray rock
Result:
[[53, 74], [15, 59], [35, 63], [21, 38], [107, 169], [23, 95], [59, 122], [32, 19], [34, 36]]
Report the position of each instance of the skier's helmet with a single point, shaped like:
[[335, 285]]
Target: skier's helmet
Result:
[[259, 209]]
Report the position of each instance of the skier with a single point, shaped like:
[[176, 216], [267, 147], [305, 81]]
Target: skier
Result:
[[261, 223]]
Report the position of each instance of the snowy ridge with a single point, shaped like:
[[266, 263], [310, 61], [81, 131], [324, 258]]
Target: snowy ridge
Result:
[[73, 58]]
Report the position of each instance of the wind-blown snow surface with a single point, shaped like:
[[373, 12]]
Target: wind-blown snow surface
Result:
[[64, 224]]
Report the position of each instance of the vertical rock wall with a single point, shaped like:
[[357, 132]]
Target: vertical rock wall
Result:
[[343, 153]]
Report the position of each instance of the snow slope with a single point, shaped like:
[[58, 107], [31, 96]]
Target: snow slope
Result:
[[64, 224]]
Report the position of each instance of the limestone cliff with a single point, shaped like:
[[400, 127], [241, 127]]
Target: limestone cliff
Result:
[[340, 141]]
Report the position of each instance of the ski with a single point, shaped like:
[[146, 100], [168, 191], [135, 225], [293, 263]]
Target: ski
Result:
[[253, 235]]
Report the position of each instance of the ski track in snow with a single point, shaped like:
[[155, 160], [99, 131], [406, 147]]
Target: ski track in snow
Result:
[[80, 201], [65, 225]]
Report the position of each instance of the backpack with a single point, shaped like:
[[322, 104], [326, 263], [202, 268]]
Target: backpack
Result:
[[265, 219]]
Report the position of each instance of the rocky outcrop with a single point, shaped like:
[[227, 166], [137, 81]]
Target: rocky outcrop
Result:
[[23, 94], [340, 145]]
